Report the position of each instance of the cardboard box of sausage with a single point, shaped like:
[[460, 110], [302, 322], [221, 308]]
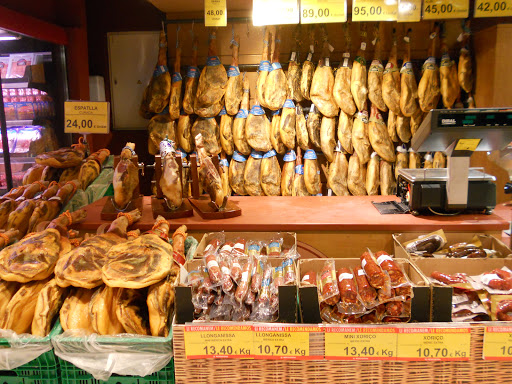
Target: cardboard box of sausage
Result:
[[309, 269]]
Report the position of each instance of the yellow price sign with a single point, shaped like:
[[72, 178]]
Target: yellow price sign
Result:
[[493, 8], [445, 9], [433, 343], [360, 343], [374, 10], [467, 144], [409, 10], [272, 12], [86, 117], [218, 341], [284, 342], [215, 13], [497, 343], [323, 11]]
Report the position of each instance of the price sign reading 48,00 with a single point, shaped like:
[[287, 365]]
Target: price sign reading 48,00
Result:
[[323, 11]]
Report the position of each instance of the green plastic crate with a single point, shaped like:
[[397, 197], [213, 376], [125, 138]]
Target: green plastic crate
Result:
[[42, 370], [70, 374]]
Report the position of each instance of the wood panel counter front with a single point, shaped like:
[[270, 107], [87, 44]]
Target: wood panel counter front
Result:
[[337, 226]]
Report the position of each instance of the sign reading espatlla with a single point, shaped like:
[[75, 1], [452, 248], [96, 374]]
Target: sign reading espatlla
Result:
[[218, 341], [86, 117]]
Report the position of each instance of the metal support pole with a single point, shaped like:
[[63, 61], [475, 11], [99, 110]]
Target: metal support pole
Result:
[[5, 143]]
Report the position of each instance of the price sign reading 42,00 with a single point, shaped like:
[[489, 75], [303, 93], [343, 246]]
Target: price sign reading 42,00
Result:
[[374, 10], [493, 8], [323, 11], [445, 9]]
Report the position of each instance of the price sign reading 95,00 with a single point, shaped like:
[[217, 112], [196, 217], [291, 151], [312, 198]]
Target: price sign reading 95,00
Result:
[[323, 11], [493, 8], [497, 343], [218, 341], [86, 117], [433, 343], [445, 9], [374, 10]]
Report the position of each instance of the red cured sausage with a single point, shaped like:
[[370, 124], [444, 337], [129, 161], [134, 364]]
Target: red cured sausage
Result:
[[503, 274], [243, 286], [239, 248], [213, 268], [330, 291], [346, 285], [386, 262], [376, 277], [504, 285], [405, 291], [504, 310], [448, 279], [309, 278], [365, 290], [236, 270], [227, 282], [395, 308]]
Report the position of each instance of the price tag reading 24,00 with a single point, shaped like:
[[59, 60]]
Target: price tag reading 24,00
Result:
[[323, 11], [218, 341], [433, 343]]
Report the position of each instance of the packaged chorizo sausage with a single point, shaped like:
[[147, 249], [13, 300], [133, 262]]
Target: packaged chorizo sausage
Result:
[[376, 277], [309, 278], [328, 288], [274, 246], [367, 293], [349, 303], [245, 280]]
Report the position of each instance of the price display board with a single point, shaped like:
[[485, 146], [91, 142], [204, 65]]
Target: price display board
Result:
[[275, 12], [409, 10], [86, 117], [445, 9], [218, 341], [323, 11], [360, 343], [215, 13], [497, 343], [374, 10], [288, 342], [493, 8], [433, 343]]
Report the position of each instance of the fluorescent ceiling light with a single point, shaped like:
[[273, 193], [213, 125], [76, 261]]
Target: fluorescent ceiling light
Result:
[[8, 36]]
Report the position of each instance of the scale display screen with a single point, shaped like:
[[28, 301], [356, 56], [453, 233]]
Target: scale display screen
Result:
[[471, 119]]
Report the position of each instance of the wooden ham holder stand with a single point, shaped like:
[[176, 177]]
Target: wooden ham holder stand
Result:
[[109, 211], [158, 203], [203, 204]]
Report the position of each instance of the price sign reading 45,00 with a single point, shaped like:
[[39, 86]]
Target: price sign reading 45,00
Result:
[[445, 9], [86, 117], [323, 11], [373, 10], [493, 8]]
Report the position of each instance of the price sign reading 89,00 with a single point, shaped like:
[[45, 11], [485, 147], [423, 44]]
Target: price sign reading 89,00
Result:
[[330, 11]]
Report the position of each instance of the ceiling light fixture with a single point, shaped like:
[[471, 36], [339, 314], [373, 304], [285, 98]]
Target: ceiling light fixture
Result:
[[8, 36]]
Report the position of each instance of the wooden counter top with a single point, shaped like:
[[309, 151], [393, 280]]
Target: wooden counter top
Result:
[[350, 213]]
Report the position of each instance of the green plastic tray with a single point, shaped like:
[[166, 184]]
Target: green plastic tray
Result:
[[42, 370], [70, 374]]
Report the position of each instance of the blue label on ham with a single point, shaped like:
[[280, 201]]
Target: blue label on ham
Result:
[[288, 104], [176, 76], [264, 66], [193, 72], [242, 114], [275, 66], [182, 152], [270, 153], [310, 154], [212, 61], [256, 154], [290, 155], [276, 112], [237, 156], [299, 169], [222, 111], [159, 70], [233, 71], [257, 110], [224, 162]]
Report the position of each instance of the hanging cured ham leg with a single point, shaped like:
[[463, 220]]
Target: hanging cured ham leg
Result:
[[391, 80], [234, 88], [428, 88], [126, 177], [375, 75], [275, 89], [408, 87]]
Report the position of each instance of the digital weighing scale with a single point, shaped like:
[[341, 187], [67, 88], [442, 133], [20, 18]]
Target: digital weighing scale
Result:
[[457, 133]]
